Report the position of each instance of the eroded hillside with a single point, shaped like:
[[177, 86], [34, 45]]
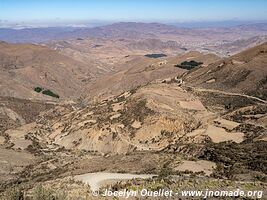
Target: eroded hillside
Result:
[[245, 72], [204, 132], [26, 66]]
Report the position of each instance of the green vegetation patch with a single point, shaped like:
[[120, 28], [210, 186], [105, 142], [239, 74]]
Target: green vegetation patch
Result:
[[38, 89], [189, 64], [50, 93], [46, 92], [156, 55]]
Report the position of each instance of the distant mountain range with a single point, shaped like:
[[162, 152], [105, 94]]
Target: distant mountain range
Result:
[[127, 30]]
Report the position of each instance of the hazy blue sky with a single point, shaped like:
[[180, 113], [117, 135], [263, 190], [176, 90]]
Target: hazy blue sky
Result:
[[130, 10]]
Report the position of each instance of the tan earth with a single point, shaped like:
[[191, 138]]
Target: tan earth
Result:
[[13, 162], [17, 136], [197, 166], [144, 116], [2, 140], [194, 105], [220, 135], [136, 124], [227, 124]]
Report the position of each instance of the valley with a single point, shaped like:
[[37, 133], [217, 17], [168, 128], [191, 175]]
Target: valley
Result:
[[131, 106]]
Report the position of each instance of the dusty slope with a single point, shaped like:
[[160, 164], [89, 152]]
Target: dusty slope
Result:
[[245, 72], [153, 128], [153, 119], [140, 70], [149, 118], [25, 66], [16, 112]]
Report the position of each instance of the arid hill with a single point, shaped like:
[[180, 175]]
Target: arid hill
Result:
[[24, 67], [203, 128], [244, 73], [141, 70]]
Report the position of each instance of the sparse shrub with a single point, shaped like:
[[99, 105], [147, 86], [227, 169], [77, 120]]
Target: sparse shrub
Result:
[[41, 193], [166, 134], [165, 171], [13, 194], [232, 157]]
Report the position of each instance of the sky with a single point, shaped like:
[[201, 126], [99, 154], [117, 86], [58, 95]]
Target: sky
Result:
[[132, 10]]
